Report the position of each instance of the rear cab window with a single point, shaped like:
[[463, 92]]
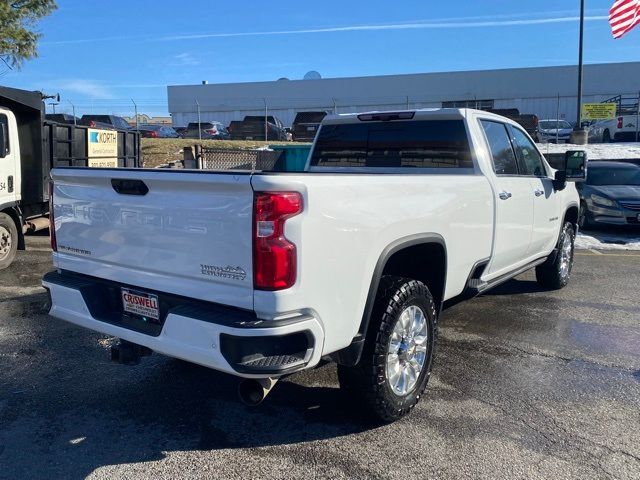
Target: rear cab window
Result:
[[416, 144]]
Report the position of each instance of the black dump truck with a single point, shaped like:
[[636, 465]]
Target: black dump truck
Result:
[[30, 146]]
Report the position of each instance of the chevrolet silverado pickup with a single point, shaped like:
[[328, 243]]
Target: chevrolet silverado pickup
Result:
[[258, 274]]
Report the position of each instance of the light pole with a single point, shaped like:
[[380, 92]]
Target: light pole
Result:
[[135, 108], [73, 110], [266, 127], [579, 135], [199, 129]]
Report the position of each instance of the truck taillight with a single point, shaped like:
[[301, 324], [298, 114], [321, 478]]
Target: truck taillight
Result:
[[52, 224], [620, 122], [274, 256]]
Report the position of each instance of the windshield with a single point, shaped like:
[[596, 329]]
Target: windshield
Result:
[[613, 176], [552, 124]]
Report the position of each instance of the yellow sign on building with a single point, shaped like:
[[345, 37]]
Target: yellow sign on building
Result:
[[598, 111], [102, 148]]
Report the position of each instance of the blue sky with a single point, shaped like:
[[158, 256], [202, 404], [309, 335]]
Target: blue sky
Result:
[[101, 55]]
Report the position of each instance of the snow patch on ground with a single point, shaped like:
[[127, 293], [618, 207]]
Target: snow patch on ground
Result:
[[596, 151], [607, 241]]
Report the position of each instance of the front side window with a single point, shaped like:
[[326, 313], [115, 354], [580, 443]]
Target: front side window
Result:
[[504, 160], [403, 144], [4, 124], [530, 159]]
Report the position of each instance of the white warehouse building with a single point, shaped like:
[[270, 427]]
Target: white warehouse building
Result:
[[544, 91]]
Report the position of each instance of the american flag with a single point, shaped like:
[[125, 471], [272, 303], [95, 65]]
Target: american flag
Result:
[[623, 16]]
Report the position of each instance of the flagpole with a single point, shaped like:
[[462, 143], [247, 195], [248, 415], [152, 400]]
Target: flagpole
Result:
[[579, 136]]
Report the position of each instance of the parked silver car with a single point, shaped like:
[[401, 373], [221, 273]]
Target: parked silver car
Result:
[[553, 131]]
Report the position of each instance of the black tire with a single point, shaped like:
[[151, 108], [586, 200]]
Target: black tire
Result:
[[554, 273], [606, 137], [583, 218], [367, 382], [8, 240]]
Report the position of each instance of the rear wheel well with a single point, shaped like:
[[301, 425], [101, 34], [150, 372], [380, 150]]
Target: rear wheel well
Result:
[[425, 262], [422, 258]]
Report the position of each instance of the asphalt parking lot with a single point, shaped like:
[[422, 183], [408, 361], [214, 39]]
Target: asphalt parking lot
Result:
[[527, 384]]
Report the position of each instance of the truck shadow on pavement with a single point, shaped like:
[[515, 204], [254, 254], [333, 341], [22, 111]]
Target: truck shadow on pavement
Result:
[[66, 410], [72, 411]]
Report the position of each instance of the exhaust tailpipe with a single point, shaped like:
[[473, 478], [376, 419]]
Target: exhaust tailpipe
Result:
[[253, 391], [36, 225]]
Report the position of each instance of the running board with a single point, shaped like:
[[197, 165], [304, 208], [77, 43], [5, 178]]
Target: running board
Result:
[[475, 286], [481, 287]]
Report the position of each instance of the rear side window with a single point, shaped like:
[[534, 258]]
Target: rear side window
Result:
[[504, 160], [410, 144]]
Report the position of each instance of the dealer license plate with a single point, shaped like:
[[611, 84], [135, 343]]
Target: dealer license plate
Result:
[[140, 303]]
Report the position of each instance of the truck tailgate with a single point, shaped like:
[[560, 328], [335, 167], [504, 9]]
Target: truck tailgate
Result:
[[186, 233]]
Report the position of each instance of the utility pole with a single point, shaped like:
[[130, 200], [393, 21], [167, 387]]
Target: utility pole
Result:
[[335, 108], [199, 128], [637, 116], [266, 114], [558, 120], [407, 102], [135, 107], [579, 135]]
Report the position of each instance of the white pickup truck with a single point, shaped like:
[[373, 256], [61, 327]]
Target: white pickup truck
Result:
[[619, 129], [263, 274]]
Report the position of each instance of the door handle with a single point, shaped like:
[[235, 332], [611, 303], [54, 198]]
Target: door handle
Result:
[[538, 192], [504, 195]]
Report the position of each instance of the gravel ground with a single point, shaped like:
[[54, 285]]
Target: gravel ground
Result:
[[527, 384]]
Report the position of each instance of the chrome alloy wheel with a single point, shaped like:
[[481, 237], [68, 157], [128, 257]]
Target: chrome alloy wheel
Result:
[[5, 242], [407, 351], [565, 255]]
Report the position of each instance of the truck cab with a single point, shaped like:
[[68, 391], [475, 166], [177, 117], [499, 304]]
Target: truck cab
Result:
[[10, 187]]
